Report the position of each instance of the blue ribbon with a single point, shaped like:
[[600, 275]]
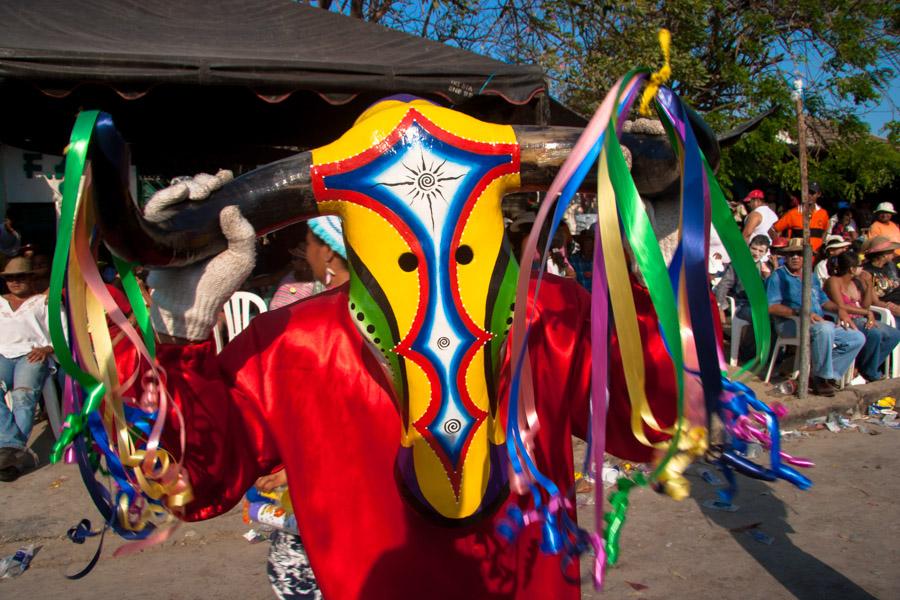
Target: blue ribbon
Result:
[[695, 248]]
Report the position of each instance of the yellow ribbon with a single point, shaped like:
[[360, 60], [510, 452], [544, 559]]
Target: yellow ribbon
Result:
[[626, 320], [692, 444], [162, 480], [659, 77]]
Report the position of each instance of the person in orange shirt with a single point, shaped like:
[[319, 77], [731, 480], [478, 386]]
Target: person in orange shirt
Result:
[[790, 225], [883, 224]]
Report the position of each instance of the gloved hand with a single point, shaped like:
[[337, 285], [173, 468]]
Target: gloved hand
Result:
[[187, 300]]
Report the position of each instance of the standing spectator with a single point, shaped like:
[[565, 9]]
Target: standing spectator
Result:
[[761, 217], [880, 265], [832, 347], [848, 293], [24, 351], [884, 226], [790, 225], [834, 246]]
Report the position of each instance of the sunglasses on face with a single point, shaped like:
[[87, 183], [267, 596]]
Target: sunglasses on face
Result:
[[15, 278]]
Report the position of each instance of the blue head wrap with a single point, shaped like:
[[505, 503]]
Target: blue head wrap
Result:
[[329, 230]]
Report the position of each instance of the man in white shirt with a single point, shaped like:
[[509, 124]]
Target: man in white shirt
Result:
[[761, 217]]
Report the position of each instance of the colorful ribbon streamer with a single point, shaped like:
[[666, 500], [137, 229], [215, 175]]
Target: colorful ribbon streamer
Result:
[[681, 298], [125, 431]]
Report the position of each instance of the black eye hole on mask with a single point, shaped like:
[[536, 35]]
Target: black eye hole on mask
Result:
[[408, 261], [464, 255]]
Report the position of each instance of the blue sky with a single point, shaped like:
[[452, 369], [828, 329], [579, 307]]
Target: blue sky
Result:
[[888, 109], [809, 61]]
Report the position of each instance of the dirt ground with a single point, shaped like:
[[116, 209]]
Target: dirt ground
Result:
[[837, 540]]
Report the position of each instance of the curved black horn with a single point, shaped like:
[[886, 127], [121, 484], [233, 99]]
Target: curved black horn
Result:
[[654, 167], [270, 197], [542, 151]]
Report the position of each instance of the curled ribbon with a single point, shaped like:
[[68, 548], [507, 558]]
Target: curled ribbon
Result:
[[149, 482], [660, 77]]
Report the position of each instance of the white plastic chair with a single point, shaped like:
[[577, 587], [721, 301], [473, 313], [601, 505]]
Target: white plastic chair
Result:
[[892, 364], [783, 342], [52, 403], [237, 312]]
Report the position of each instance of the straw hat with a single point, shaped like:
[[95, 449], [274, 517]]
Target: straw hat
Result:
[[835, 241], [19, 265], [879, 244], [793, 246]]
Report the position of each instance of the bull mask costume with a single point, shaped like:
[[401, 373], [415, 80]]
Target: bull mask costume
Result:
[[440, 300]]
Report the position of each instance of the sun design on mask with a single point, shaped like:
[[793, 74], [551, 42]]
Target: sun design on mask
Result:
[[424, 181]]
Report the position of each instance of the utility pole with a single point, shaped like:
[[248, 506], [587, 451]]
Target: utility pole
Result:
[[806, 211]]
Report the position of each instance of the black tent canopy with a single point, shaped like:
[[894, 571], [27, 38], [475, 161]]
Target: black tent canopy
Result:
[[215, 79], [275, 46]]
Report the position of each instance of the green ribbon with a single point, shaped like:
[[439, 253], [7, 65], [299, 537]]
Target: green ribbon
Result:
[[138, 305], [744, 268], [647, 253], [75, 163]]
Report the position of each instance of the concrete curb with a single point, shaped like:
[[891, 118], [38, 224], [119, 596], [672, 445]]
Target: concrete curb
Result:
[[844, 401]]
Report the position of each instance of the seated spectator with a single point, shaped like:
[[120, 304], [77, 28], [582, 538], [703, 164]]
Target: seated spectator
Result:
[[729, 285], [834, 246], [298, 283], [846, 290], [10, 241], [790, 225], [582, 260], [41, 265], [842, 223], [833, 348], [864, 218], [880, 265], [557, 262], [325, 251], [24, 351]]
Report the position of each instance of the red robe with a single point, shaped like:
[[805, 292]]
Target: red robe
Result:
[[301, 387]]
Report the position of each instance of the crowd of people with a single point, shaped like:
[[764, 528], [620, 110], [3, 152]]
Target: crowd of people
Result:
[[855, 295], [855, 298], [855, 284]]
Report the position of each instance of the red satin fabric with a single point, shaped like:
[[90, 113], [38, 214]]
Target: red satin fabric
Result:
[[661, 389], [301, 387]]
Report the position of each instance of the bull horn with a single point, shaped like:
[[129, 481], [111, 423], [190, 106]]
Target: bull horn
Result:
[[654, 166], [270, 197]]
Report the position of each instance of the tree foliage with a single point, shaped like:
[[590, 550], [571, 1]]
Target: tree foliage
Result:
[[731, 59]]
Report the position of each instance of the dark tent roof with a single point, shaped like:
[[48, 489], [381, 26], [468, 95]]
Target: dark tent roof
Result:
[[201, 85], [272, 46]]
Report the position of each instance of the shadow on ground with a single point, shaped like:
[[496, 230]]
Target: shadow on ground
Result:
[[801, 573]]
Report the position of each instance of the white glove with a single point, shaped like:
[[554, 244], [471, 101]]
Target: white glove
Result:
[[198, 188], [187, 300]]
